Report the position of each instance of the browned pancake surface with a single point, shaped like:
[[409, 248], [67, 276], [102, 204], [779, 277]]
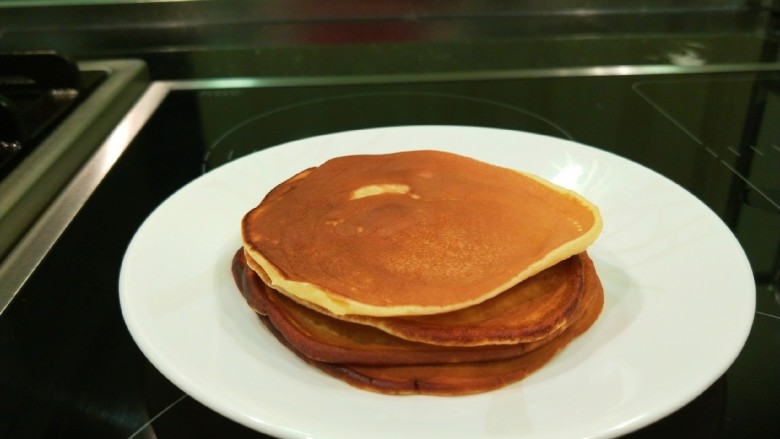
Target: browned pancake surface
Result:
[[327, 339], [465, 378], [529, 311], [420, 232]]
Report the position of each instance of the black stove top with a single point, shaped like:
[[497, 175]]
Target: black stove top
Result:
[[70, 368]]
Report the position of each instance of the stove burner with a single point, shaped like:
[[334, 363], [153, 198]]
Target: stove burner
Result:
[[37, 90], [12, 133], [399, 108]]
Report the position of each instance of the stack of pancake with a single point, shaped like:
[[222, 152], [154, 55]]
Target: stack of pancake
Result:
[[421, 272]]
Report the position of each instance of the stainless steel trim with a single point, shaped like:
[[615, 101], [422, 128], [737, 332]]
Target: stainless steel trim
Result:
[[31, 249], [30, 187], [564, 72]]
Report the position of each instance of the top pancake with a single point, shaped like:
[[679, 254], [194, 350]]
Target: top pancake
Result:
[[412, 233]]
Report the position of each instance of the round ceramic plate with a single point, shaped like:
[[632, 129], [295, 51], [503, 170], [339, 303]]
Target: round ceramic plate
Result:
[[679, 302]]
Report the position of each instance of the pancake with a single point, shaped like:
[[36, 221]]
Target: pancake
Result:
[[412, 233], [463, 378], [529, 311], [326, 339]]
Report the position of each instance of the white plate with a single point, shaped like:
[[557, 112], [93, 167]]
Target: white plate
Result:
[[680, 300]]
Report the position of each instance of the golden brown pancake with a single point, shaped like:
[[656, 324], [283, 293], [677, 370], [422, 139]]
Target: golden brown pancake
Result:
[[531, 310], [323, 338], [412, 233], [469, 377]]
